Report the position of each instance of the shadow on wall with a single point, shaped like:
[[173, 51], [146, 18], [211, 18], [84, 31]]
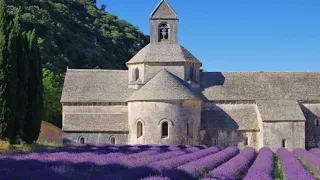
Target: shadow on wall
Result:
[[311, 134], [215, 121]]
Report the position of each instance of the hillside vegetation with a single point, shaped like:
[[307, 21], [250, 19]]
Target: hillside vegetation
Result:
[[77, 34]]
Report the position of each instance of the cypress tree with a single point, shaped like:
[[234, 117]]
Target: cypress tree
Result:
[[22, 75], [33, 118], [3, 70], [11, 90]]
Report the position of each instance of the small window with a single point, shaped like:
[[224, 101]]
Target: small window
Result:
[[163, 32], [191, 69], [284, 143], [246, 141], [215, 141], [113, 140], [189, 129], [82, 140], [136, 71], [139, 129], [317, 122], [164, 129]]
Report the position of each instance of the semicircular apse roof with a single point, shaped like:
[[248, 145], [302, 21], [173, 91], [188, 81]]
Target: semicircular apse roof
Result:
[[164, 86]]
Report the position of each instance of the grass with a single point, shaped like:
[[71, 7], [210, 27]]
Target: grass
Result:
[[313, 171], [6, 147], [278, 173]]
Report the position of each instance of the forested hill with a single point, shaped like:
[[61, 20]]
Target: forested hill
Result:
[[77, 34]]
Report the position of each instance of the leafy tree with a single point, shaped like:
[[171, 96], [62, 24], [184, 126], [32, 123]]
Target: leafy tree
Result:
[[51, 95]]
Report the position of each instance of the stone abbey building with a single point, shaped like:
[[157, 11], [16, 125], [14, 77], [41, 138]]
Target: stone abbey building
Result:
[[164, 98]]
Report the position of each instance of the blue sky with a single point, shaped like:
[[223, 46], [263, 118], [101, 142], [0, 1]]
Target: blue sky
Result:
[[239, 35]]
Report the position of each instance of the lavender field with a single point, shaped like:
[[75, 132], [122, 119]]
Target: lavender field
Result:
[[152, 162]]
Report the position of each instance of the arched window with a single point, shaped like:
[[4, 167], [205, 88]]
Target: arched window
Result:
[[139, 129], [81, 140], [317, 122], [164, 129], [163, 32], [113, 140], [246, 141], [189, 129], [284, 143]]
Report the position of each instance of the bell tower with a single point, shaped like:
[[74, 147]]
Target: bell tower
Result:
[[164, 24]]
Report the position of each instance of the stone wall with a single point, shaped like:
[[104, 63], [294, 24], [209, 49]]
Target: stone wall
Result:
[[225, 138], [95, 137], [153, 114], [94, 108], [312, 112], [292, 132]]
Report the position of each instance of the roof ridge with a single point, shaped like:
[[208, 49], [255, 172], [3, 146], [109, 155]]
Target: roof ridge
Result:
[[113, 70], [263, 72]]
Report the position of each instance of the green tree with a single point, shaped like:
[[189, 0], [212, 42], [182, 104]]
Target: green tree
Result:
[[3, 69], [11, 90], [22, 74], [33, 118], [51, 95]]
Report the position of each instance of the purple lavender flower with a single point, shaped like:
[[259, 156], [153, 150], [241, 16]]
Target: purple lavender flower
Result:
[[156, 178], [262, 167], [178, 161], [235, 166], [138, 168], [315, 151], [311, 160], [292, 168], [200, 167]]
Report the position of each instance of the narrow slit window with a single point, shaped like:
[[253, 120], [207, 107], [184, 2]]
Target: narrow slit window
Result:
[[317, 122], [139, 129], [215, 142], [164, 129], [136, 71], [189, 129], [284, 143], [246, 141]]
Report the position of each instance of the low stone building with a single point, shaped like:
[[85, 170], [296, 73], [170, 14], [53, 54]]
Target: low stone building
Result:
[[164, 98]]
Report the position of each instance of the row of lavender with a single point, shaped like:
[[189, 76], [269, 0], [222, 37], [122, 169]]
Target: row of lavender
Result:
[[218, 167], [77, 162], [151, 161]]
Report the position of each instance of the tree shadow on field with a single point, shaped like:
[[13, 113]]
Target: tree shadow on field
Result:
[[36, 169], [75, 161]]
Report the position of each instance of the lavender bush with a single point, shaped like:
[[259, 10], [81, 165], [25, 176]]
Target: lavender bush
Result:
[[178, 161], [235, 166], [315, 151], [292, 168], [200, 167], [262, 167], [138, 169], [156, 178], [311, 160]]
